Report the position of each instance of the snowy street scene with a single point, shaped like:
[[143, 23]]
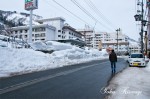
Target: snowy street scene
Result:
[[74, 49]]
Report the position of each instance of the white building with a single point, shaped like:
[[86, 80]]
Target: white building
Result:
[[102, 40], [88, 35], [71, 33], [41, 32], [134, 48], [49, 29], [110, 40], [58, 23]]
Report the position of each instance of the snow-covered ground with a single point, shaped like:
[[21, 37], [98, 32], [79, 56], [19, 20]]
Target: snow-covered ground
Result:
[[18, 61], [132, 83]]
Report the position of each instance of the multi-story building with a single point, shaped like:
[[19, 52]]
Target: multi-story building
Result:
[[87, 36], [110, 40], [42, 32], [134, 48], [102, 40], [49, 29], [71, 33], [58, 23]]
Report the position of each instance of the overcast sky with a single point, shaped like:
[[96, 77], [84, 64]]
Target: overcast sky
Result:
[[120, 13]]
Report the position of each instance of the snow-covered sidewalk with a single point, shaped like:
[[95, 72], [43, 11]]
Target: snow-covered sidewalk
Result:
[[132, 83]]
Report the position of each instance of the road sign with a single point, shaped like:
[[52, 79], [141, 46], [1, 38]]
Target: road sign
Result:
[[31, 4]]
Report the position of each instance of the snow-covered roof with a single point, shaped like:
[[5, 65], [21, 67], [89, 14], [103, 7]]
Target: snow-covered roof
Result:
[[34, 26], [50, 19]]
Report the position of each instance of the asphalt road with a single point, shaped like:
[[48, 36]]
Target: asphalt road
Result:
[[81, 81]]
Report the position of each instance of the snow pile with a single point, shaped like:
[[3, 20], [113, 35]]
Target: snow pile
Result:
[[39, 45], [132, 83], [3, 44], [19, 61], [58, 46], [50, 45]]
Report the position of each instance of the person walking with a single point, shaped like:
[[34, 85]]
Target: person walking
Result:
[[113, 60]]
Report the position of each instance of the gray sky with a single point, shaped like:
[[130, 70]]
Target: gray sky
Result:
[[119, 12]]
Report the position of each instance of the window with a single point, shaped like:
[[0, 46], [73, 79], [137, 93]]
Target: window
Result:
[[20, 36], [42, 39], [59, 35], [136, 56], [43, 35], [26, 31], [25, 36], [38, 29], [59, 30], [36, 35], [36, 39], [20, 31]]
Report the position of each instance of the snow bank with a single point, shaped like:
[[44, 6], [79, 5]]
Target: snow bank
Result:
[[132, 83], [58, 46], [19, 61], [50, 45]]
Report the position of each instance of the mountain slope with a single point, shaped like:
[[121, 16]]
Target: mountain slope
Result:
[[11, 19]]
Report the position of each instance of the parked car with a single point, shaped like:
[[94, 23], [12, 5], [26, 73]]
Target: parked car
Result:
[[137, 59]]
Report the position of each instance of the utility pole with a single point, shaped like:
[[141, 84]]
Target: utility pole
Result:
[[142, 27], [93, 34], [140, 17], [30, 28], [117, 38], [146, 38]]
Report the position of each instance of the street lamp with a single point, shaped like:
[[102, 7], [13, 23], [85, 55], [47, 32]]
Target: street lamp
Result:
[[140, 17]]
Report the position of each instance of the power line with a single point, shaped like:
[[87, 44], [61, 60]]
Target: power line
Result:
[[71, 12], [98, 12], [86, 12]]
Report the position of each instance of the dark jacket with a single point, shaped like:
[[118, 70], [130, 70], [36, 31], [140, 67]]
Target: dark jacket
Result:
[[113, 57]]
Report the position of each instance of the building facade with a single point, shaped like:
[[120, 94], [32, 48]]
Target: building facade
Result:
[[71, 33], [88, 35], [134, 48], [42, 32], [49, 29], [110, 40], [58, 23], [103, 40]]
